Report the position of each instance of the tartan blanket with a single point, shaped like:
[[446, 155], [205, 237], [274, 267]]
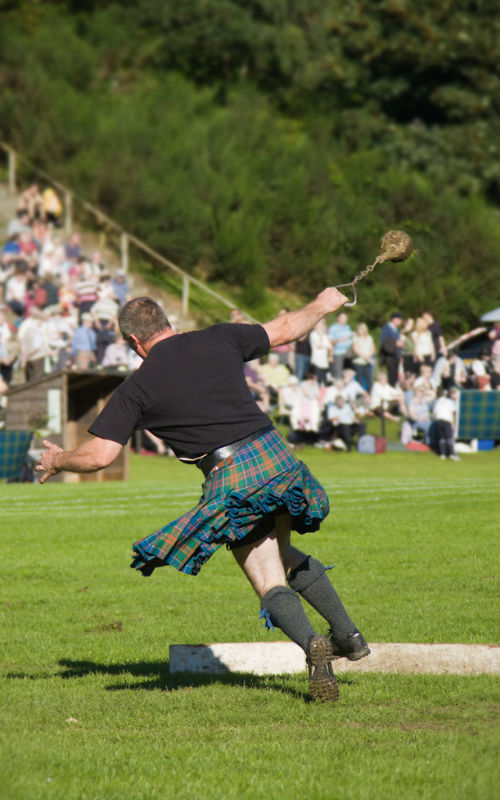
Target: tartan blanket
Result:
[[263, 479], [479, 415], [14, 446]]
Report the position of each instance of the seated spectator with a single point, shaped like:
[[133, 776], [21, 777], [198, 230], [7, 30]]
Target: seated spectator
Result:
[[305, 417], [104, 313], [363, 349], [60, 330], [19, 224], [444, 414], [116, 354], [424, 381], [31, 201], [345, 423], [51, 207], [84, 344], [11, 247], [419, 414], [120, 287], [274, 375], [9, 349], [288, 397], [352, 390], [385, 399], [495, 373], [449, 371], [256, 385], [16, 288]]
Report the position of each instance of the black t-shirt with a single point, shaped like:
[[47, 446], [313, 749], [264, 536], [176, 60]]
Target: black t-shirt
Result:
[[190, 391]]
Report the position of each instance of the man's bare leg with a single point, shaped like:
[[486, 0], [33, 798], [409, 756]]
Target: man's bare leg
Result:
[[281, 607]]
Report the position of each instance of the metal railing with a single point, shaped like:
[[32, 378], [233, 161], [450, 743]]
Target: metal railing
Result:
[[124, 238]]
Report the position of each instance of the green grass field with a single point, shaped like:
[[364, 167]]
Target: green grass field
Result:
[[90, 711]]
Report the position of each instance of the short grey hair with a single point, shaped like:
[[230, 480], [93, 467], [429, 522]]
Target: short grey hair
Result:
[[142, 317]]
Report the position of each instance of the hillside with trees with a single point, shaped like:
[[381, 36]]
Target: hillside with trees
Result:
[[270, 143]]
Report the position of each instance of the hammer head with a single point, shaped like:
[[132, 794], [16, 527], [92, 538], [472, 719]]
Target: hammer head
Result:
[[395, 246]]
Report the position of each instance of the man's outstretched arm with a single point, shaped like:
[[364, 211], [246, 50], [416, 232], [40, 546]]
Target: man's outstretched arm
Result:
[[289, 327], [91, 456]]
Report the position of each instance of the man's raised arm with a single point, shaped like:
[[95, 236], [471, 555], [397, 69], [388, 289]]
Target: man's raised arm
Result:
[[289, 327], [91, 456]]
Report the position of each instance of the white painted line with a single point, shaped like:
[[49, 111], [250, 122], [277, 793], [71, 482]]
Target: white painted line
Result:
[[274, 658]]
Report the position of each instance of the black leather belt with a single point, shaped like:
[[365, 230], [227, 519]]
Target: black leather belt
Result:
[[213, 459]]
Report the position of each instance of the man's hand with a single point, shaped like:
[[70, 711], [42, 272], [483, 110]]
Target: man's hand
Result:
[[47, 461], [90, 456]]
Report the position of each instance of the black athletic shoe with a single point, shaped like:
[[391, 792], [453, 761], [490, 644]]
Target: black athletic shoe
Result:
[[322, 683], [353, 648]]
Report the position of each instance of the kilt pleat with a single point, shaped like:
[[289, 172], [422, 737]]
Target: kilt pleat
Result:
[[264, 479]]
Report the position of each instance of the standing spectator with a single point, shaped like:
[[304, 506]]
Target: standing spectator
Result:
[[321, 348], [408, 346], [84, 344], [424, 352], [302, 357], [86, 291], [437, 334], [33, 340], [445, 416], [73, 248], [341, 337], [391, 347], [364, 351], [120, 287]]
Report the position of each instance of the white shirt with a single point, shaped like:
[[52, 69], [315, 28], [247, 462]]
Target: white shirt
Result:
[[444, 409]]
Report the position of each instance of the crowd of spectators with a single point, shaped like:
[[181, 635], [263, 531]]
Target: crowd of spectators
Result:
[[58, 304], [59, 307], [328, 384]]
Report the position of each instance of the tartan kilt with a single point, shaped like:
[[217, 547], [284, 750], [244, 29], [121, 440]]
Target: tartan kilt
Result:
[[263, 480]]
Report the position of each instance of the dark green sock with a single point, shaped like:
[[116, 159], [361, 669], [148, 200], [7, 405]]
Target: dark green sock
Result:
[[310, 581], [282, 607]]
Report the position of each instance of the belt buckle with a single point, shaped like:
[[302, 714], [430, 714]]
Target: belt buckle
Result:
[[225, 462]]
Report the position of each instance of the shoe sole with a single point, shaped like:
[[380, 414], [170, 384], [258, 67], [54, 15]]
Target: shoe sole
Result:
[[322, 683]]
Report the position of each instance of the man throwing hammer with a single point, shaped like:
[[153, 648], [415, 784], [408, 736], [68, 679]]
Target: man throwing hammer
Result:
[[190, 391]]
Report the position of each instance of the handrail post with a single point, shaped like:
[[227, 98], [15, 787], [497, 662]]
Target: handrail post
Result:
[[185, 293], [124, 251], [12, 170], [68, 212]]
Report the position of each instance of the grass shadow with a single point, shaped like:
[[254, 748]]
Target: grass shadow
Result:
[[158, 676]]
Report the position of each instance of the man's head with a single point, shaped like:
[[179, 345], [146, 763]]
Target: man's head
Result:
[[140, 320], [342, 318], [396, 319]]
